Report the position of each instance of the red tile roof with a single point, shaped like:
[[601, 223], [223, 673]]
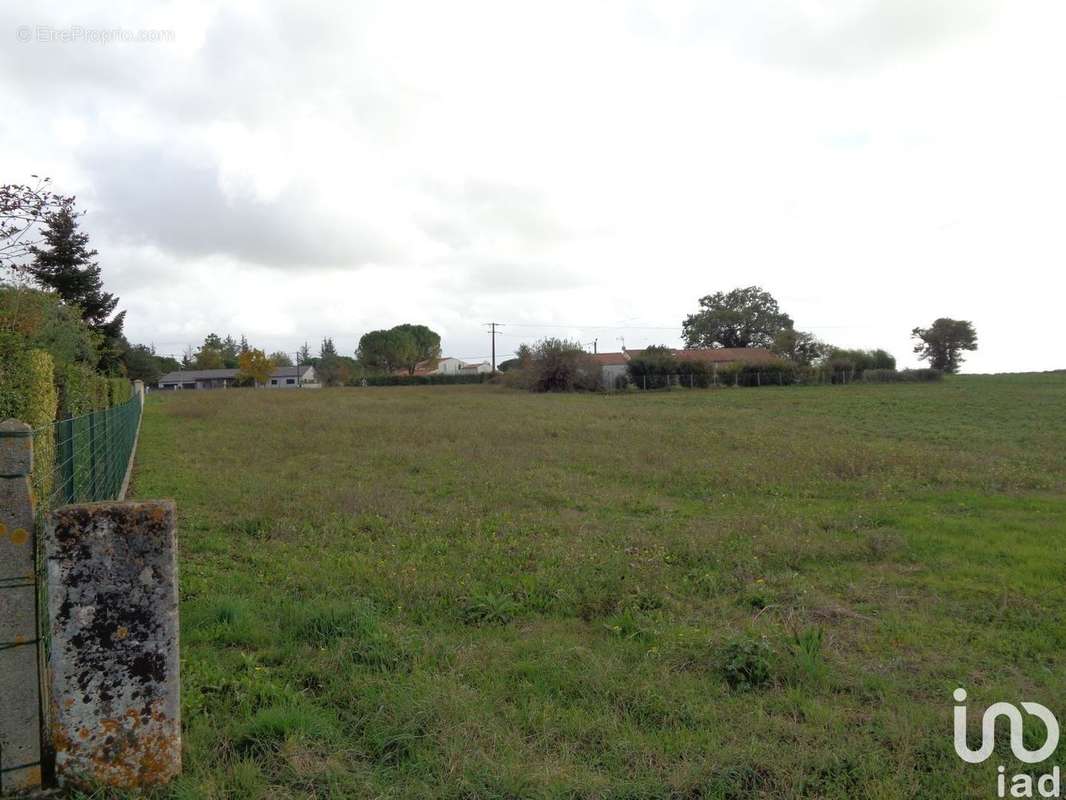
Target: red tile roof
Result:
[[609, 359]]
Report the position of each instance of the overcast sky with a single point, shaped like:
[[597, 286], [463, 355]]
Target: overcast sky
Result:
[[295, 170]]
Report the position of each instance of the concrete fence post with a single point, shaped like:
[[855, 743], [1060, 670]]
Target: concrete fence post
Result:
[[113, 662], [20, 699], [138, 389]]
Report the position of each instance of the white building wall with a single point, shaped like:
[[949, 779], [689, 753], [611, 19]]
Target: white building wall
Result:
[[448, 366], [610, 374]]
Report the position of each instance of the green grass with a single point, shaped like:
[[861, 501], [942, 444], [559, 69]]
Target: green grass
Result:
[[468, 592]]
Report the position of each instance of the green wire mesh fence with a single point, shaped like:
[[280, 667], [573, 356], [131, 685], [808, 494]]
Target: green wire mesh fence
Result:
[[85, 458]]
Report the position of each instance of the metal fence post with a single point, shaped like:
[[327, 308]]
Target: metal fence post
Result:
[[105, 449], [92, 454], [65, 460], [20, 706]]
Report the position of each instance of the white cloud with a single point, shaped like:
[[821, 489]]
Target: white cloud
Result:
[[308, 169]]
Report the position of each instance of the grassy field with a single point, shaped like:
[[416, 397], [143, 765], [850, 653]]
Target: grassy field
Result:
[[472, 592]]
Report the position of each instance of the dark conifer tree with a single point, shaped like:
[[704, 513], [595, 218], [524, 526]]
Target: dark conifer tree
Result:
[[64, 263]]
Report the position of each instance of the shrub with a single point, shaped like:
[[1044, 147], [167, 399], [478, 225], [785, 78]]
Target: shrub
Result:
[[98, 390], [44, 322], [27, 393], [81, 390], [882, 376], [901, 376], [924, 374], [74, 382], [517, 378], [745, 663], [775, 373], [555, 365], [695, 374], [119, 391], [653, 368], [860, 360]]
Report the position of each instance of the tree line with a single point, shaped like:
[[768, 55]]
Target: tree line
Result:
[[398, 349], [51, 284], [751, 317], [52, 295], [743, 319]]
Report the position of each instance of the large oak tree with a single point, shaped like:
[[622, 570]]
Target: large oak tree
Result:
[[942, 343], [748, 317]]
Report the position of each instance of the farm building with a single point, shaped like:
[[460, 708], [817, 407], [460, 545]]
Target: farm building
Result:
[[280, 378]]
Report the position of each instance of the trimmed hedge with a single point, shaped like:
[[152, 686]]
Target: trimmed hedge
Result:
[[901, 376], [28, 394], [425, 380], [75, 383], [27, 391], [119, 391], [783, 373]]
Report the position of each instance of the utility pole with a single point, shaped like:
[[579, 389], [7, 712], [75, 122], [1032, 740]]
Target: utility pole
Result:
[[492, 326], [595, 346]]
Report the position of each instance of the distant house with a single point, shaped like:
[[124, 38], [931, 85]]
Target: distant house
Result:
[[280, 378], [198, 379], [447, 366], [475, 369], [612, 367], [290, 377]]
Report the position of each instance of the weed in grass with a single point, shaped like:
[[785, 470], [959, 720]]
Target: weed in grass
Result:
[[271, 726], [320, 625], [739, 782], [490, 608], [705, 584], [250, 527], [630, 626], [245, 779], [808, 661], [745, 663]]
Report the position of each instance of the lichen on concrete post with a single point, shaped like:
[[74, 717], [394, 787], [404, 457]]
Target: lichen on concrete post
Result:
[[113, 665], [20, 699]]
